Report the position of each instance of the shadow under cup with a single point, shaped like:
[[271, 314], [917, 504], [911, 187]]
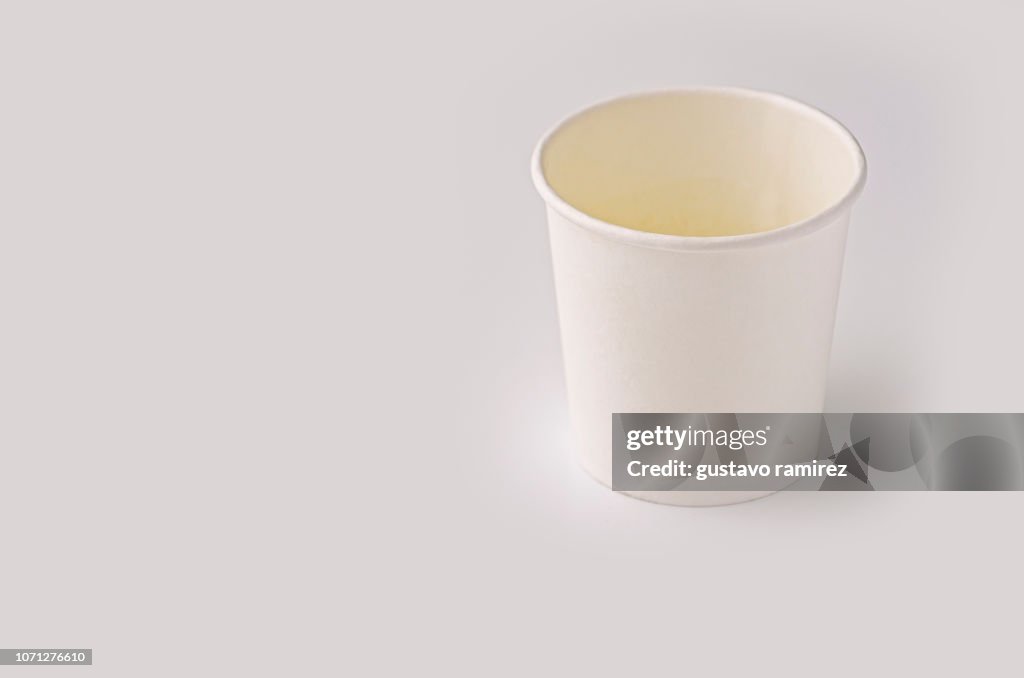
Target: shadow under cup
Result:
[[697, 239]]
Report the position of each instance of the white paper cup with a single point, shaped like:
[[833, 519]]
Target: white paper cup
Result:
[[697, 237]]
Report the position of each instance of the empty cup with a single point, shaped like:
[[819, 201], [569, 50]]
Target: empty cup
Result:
[[697, 237]]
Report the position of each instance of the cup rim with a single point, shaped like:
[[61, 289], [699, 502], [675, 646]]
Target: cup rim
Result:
[[699, 242]]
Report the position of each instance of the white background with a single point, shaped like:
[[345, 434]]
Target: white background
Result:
[[280, 383]]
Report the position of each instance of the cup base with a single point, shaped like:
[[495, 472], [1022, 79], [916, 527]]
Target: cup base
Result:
[[683, 497], [708, 498]]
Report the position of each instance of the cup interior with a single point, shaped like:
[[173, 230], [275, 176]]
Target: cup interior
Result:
[[701, 162]]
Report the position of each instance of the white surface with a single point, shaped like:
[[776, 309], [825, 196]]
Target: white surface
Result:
[[280, 381]]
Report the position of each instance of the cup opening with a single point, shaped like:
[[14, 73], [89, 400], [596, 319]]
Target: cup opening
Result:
[[699, 167]]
